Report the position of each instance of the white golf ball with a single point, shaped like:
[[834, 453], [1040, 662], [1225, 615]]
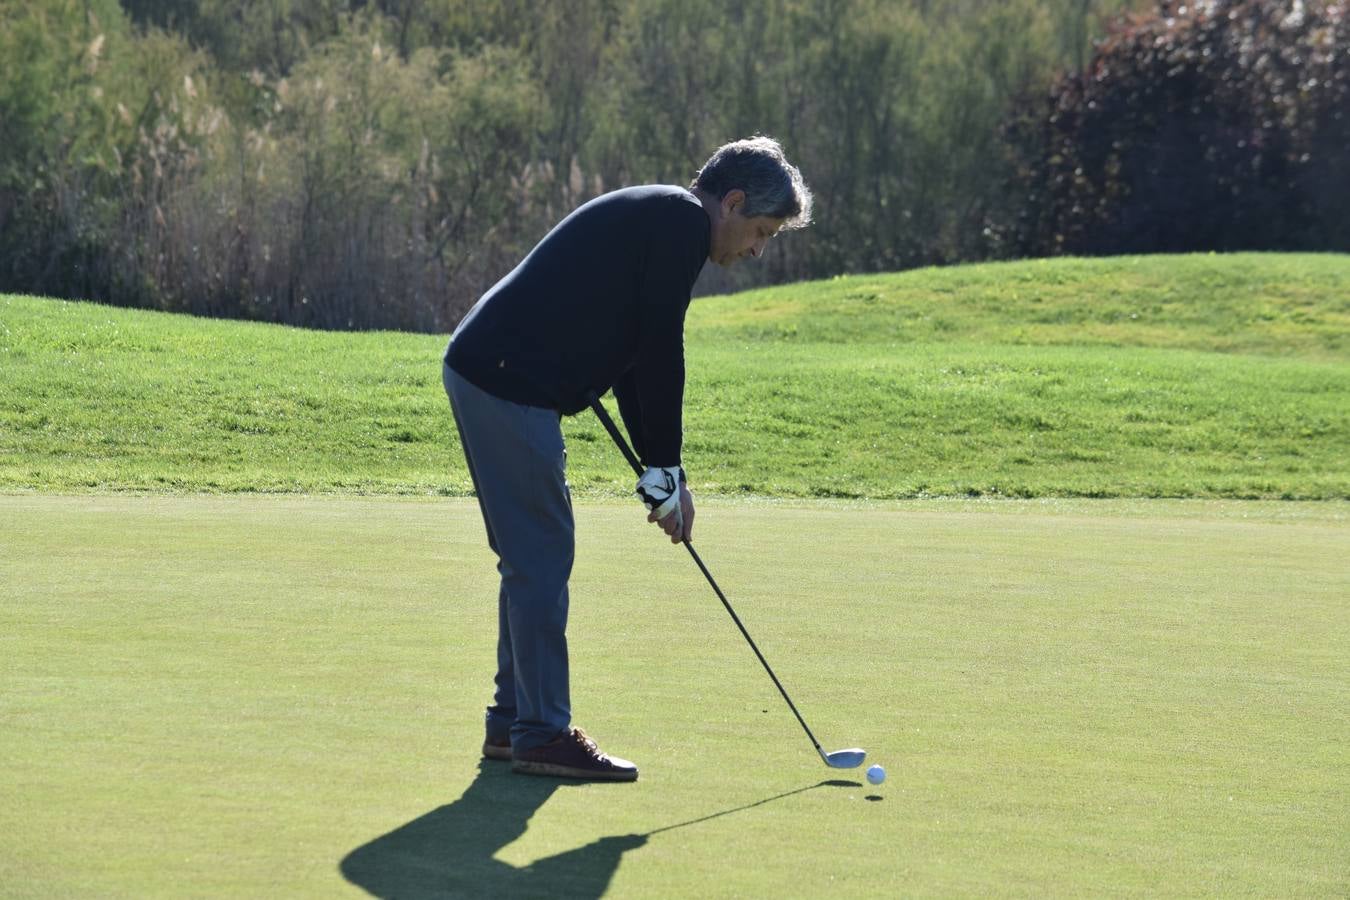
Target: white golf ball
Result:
[[876, 775]]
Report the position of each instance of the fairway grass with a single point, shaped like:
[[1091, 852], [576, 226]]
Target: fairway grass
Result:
[[282, 697]]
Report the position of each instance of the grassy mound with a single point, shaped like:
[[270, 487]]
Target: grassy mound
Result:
[[1197, 376]]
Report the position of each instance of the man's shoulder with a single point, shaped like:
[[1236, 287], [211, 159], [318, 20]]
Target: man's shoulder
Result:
[[651, 191], [640, 214], [663, 197]]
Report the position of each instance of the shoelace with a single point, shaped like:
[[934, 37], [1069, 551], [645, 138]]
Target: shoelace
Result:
[[591, 746]]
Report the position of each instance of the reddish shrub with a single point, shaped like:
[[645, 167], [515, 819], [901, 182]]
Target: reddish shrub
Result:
[[1218, 125]]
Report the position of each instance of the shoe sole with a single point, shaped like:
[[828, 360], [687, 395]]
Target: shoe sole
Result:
[[524, 767], [501, 754]]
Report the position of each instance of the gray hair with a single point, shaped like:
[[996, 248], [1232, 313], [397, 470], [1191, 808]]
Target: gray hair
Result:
[[773, 187]]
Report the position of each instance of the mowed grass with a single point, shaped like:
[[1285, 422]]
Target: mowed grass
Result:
[[1194, 376], [282, 696]]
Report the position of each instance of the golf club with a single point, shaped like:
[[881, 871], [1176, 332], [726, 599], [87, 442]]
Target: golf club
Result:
[[839, 759]]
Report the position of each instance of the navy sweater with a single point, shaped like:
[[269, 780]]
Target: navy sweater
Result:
[[598, 304]]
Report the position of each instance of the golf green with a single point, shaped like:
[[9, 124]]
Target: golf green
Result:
[[282, 696]]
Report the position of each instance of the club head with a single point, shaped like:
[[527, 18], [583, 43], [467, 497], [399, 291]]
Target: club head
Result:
[[844, 759]]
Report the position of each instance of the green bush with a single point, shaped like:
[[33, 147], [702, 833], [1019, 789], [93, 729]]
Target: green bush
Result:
[[104, 125], [371, 185]]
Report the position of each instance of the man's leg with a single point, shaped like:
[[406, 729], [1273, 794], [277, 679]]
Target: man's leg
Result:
[[501, 715], [517, 462]]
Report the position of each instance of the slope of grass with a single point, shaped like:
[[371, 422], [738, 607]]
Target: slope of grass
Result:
[[1202, 376], [1252, 303]]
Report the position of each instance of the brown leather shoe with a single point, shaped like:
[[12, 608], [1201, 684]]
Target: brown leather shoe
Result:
[[498, 750], [573, 755]]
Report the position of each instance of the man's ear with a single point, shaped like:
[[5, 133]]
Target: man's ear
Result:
[[732, 200]]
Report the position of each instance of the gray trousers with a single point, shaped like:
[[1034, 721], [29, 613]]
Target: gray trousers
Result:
[[518, 464]]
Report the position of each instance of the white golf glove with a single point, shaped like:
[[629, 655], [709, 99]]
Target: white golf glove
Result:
[[659, 488]]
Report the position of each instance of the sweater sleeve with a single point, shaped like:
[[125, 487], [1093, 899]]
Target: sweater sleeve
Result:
[[675, 254], [625, 391]]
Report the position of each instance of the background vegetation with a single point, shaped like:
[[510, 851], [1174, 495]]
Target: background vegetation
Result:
[[1195, 376], [1221, 125], [351, 164]]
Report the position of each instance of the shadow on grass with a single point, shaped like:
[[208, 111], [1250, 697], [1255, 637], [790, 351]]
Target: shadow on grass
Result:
[[727, 812], [449, 851]]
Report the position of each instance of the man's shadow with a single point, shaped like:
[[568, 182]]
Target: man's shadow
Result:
[[449, 851]]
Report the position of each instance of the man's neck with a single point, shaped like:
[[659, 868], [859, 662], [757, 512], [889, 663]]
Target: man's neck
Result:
[[710, 203]]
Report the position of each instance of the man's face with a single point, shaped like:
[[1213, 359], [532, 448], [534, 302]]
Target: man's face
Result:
[[734, 237]]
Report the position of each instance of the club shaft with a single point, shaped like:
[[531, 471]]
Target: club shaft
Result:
[[751, 641], [603, 415]]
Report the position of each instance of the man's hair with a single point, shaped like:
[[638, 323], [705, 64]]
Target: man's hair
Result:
[[773, 187]]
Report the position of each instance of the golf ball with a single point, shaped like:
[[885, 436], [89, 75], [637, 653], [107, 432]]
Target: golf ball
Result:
[[876, 775]]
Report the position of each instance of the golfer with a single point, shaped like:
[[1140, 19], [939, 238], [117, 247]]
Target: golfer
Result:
[[599, 304]]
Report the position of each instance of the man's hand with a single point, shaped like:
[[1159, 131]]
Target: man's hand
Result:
[[668, 501], [679, 523]]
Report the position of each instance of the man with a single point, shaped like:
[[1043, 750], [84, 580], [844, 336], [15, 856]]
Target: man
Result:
[[598, 304]]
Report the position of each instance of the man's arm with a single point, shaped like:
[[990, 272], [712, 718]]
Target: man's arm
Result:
[[626, 392], [676, 250]]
